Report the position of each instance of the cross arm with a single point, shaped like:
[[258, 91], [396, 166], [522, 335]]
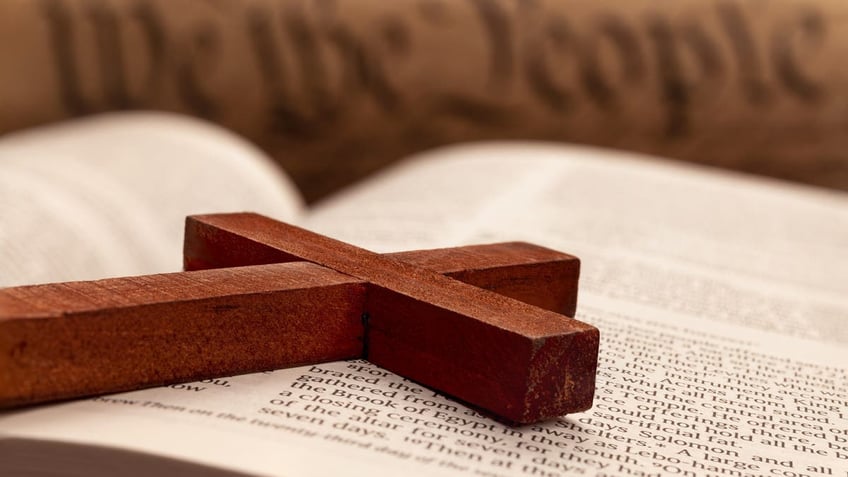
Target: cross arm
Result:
[[519, 362], [526, 272]]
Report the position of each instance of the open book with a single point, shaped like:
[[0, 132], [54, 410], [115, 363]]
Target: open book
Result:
[[721, 300]]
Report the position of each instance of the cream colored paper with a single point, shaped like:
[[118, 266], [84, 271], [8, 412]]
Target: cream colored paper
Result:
[[719, 299]]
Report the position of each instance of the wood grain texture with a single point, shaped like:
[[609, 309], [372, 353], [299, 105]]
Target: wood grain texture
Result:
[[530, 273], [517, 361], [526, 272], [83, 338]]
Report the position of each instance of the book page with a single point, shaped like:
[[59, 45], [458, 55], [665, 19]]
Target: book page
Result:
[[706, 243], [683, 272], [108, 196]]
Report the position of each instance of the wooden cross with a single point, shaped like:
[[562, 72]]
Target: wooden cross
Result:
[[290, 297]]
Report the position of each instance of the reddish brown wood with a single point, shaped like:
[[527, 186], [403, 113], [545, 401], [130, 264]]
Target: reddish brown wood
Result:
[[223, 322], [536, 275], [82, 338], [517, 361]]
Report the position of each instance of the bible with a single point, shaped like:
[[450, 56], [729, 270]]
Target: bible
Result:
[[720, 298]]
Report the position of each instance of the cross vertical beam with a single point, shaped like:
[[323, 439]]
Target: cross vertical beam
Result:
[[81, 338]]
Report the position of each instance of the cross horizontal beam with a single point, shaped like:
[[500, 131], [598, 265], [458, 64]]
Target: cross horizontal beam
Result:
[[520, 362]]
